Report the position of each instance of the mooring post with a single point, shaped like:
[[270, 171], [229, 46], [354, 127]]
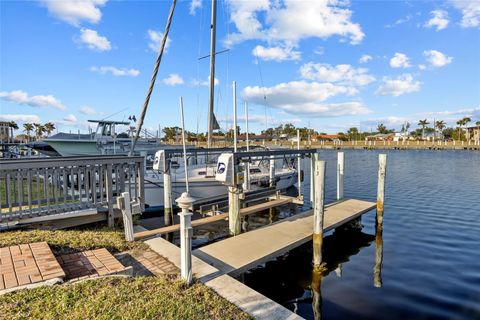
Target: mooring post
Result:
[[318, 210], [234, 218], [186, 231], [272, 171], [123, 203], [167, 196], [382, 166], [299, 167], [340, 174], [314, 157]]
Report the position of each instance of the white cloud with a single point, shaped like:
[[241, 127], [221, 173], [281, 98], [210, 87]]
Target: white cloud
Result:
[[399, 60], [396, 87], [30, 118], [118, 72], [290, 21], [276, 53], [305, 98], [436, 58], [87, 110], [75, 11], [155, 38], [391, 121], [470, 11], [422, 67], [365, 58], [439, 20], [466, 112], [342, 73], [205, 83], [21, 97], [70, 118], [194, 5], [93, 40], [173, 79]]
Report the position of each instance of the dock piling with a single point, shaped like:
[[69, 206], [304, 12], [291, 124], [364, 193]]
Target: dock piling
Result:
[[340, 174], [234, 218], [167, 196], [272, 172], [299, 167], [382, 166], [315, 157], [318, 212], [186, 232]]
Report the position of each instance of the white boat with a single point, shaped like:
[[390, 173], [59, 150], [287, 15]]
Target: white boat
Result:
[[103, 141], [202, 183]]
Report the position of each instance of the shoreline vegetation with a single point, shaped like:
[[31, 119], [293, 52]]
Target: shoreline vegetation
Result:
[[143, 297]]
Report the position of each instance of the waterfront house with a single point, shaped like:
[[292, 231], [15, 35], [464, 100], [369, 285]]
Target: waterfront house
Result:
[[6, 132], [473, 133]]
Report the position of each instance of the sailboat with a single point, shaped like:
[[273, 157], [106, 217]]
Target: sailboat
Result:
[[201, 177]]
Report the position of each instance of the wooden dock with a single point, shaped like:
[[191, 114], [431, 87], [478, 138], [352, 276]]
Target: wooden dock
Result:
[[223, 216], [245, 251]]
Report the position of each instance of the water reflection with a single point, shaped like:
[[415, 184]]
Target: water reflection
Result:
[[377, 268], [292, 281]]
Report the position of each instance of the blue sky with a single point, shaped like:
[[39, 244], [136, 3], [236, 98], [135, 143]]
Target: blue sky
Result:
[[293, 61]]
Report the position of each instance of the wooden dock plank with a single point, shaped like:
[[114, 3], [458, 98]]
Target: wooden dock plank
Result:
[[243, 252], [215, 218]]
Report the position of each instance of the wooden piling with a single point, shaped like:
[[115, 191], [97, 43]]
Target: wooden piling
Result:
[[315, 157], [234, 217], [340, 174], [318, 212], [382, 166]]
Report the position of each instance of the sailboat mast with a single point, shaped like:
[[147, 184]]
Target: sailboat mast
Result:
[[212, 72]]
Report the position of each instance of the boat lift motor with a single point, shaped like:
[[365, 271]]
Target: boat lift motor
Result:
[[159, 163], [225, 170]]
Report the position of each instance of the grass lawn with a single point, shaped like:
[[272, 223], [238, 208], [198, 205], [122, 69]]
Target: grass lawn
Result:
[[69, 241], [119, 298], [109, 298]]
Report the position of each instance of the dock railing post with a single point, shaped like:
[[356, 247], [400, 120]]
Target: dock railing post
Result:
[[382, 166], [314, 157], [109, 194], [318, 212], [340, 174], [123, 202], [186, 232]]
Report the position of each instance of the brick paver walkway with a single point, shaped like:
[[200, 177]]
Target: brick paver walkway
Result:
[[88, 264], [26, 264], [147, 263]]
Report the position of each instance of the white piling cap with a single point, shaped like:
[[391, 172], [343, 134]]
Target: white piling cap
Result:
[[185, 201]]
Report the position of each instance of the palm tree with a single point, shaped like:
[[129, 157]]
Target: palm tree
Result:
[[381, 128], [39, 130], [49, 127], [477, 123], [423, 124], [440, 125], [27, 127]]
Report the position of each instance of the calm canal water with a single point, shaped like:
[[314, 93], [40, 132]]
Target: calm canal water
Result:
[[431, 244]]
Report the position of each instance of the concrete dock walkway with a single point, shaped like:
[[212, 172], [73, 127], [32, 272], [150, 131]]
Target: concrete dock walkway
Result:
[[238, 254]]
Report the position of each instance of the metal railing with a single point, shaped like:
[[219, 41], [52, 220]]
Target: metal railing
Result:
[[47, 186]]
